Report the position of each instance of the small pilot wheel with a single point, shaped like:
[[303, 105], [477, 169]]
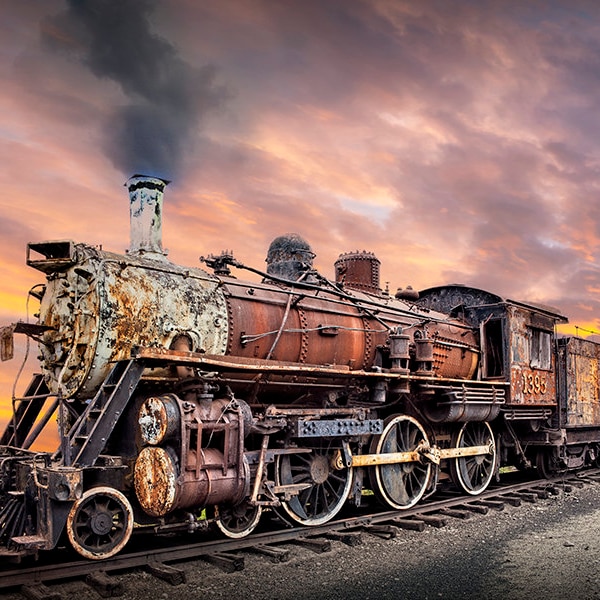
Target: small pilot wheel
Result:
[[237, 521], [401, 485], [100, 523], [474, 473]]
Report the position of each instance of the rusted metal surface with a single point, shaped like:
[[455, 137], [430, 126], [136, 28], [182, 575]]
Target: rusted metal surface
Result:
[[159, 418], [468, 402], [57, 256], [161, 486], [265, 322], [145, 198], [530, 385], [184, 472], [289, 393], [238, 364], [450, 358], [155, 477], [7, 348], [97, 306], [323, 329], [580, 373], [422, 453], [88, 436], [448, 298], [64, 483], [290, 258], [306, 428], [100, 523], [358, 271], [108, 304], [518, 348]]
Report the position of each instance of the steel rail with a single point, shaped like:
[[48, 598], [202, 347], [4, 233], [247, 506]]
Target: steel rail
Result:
[[13, 577]]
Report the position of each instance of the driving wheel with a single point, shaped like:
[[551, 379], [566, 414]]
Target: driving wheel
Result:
[[474, 473], [401, 485], [324, 489]]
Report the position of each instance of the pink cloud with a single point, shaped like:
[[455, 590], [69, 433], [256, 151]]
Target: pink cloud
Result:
[[458, 141]]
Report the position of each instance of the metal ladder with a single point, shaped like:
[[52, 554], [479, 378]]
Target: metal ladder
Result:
[[25, 412], [89, 434]]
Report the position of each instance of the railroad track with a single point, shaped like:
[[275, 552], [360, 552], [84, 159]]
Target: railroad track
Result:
[[37, 580]]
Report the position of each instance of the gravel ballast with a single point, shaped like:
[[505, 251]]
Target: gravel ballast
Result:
[[549, 549]]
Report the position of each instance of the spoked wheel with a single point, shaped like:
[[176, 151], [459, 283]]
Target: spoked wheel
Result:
[[237, 521], [474, 473], [326, 489], [400, 485], [100, 523]]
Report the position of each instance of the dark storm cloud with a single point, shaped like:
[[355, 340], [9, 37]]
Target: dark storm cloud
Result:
[[167, 96]]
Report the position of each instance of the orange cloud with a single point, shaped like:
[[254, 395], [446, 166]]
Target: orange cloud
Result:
[[457, 141]]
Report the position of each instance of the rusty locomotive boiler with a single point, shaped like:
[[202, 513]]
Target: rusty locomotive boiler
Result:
[[186, 398]]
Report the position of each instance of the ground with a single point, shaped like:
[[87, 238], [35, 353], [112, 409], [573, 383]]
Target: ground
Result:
[[548, 550]]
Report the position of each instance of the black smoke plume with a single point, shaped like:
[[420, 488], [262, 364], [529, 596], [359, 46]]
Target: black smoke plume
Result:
[[167, 97]]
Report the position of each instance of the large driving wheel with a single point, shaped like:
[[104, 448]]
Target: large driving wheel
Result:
[[474, 473], [100, 523], [401, 485], [237, 521], [325, 488]]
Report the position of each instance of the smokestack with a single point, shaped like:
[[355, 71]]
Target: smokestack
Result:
[[145, 197]]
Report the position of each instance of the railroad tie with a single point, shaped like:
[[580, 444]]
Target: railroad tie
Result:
[[434, 520], [167, 573], [275, 555], [476, 508], [511, 499], [495, 504], [318, 546], [527, 496], [39, 591], [351, 538], [411, 524], [541, 493], [387, 532], [104, 585], [453, 512], [225, 561]]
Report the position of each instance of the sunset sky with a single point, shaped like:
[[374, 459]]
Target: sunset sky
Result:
[[457, 140]]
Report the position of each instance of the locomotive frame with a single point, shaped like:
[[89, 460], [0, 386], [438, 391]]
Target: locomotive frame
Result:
[[186, 398]]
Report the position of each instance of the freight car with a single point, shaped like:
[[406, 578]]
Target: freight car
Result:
[[186, 398]]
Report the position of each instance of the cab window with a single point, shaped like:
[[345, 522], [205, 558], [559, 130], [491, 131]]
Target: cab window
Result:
[[540, 349]]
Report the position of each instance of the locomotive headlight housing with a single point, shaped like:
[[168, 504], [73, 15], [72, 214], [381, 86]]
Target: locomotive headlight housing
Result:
[[64, 483], [159, 418]]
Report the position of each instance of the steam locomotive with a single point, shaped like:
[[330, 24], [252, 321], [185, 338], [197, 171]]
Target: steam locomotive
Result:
[[187, 399]]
